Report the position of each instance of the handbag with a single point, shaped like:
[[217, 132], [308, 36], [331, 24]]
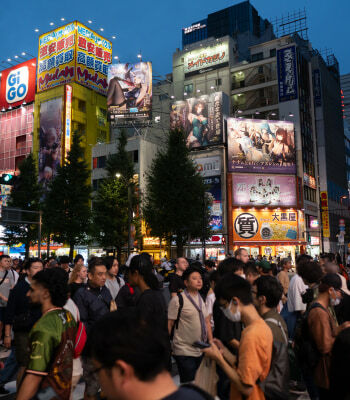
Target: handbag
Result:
[[80, 340], [206, 377]]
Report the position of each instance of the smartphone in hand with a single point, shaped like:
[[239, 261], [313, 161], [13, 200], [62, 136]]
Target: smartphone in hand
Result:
[[200, 345]]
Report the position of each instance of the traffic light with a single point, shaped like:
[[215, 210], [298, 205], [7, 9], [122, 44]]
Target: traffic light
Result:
[[7, 179]]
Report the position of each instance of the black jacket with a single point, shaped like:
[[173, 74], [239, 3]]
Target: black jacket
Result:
[[92, 303]]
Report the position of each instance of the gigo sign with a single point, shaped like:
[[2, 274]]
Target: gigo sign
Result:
[[18, 84]]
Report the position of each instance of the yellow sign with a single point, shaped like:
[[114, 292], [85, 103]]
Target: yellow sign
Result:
[[325, 215]]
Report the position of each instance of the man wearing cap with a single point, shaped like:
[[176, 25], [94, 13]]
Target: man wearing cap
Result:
[[323, 328], [265, 268]]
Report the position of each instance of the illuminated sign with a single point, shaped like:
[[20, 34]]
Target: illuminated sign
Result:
[[208, 166], [68, 119], [206, 59], [287, 74], [309, 181], [314, 241], [313, 222], [193, 27], [18, 84], [325, 215]]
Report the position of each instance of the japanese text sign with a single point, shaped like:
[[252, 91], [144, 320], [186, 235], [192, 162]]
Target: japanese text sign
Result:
[[287, 74]]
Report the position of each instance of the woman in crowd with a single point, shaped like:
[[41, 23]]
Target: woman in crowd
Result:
[[77, 278]]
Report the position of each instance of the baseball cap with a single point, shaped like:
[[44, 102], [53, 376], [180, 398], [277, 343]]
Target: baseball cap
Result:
[[332, 280], [265, 265]]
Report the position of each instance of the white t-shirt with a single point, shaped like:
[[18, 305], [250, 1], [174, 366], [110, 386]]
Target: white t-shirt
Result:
[[296, 288], [209, 302]]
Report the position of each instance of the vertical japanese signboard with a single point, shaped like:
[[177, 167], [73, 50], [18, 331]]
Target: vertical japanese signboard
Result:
[[287, 74], [68, 119], [325, 215]]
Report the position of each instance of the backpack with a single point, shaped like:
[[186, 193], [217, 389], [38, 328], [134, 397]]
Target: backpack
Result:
[[304, 345], [276, 384], [176, 324]]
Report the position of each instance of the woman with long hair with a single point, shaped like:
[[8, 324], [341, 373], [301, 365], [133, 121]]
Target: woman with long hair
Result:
[[77, 278]]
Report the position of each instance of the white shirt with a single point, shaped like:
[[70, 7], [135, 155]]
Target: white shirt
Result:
[[296, 288]]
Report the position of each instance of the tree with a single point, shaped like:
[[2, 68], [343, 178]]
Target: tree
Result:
[[175, 204], [67, 209], [25, 195], [115, 199]]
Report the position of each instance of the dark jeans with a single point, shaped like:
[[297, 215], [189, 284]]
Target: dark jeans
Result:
[[10, 369], [187, 367]]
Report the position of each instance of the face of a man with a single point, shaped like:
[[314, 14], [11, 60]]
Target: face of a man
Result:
[[98, 278], [65, 266], [37, 293], [111, 382], [181, 264], [34, 268], [6, 263], [194, 281], [243, 256]]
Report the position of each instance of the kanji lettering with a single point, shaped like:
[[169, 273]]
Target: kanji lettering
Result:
[[82, 42]]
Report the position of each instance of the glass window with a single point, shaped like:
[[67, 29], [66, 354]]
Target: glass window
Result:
[[188, 88]]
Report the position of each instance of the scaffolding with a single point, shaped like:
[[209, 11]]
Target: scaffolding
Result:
[[293, 22]]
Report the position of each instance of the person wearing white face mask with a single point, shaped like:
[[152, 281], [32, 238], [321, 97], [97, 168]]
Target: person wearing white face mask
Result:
[[323, 328], [255, 347]]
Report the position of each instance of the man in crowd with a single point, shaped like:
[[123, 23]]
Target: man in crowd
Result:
[[7, 282], [64, 264], [49, 371], [176, 284], [283, 277], [131, 370], [78, 260], [93, 301], [251, 272], [192, 324], [255, 347], [21, 315], [242, 254]]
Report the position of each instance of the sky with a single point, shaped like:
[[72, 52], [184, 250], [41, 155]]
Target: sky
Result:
[[154, 27]]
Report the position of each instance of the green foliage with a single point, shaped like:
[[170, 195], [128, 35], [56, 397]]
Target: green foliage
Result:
[[175, 202], [67, 212], [25, 195]]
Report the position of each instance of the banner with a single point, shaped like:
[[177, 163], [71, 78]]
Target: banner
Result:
[[256, 145], [325, 214], [201, 118], [50, 139], [214, 193], [265, 225], [130, 91], [18, 84], [264, 190], [287, 74]]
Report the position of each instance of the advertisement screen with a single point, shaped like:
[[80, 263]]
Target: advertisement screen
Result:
[[265, 225], [256, 145], [206, 59], [264, 190], [201, 119], [18, 84], [214, 193], [130, 91], [50, 139]]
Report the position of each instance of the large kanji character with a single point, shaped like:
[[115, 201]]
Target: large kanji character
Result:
[[292, 217], [68, 56], [98, 65], [70, 41], [51, 63], [42, 66], [52, 48], [246, 225], [107, 56], [59, 59], [91, 48], [60, 45], [81, 58], [275, 217], [90, 62], [99, 52], [43, 51], [284, 216], [82, 42], [105, 69]]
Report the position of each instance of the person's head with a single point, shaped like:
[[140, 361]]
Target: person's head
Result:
[[242, 254], [137, 353], [52, 264], [47, 173], [79, 274], [193, 279], [251, 272], [310, 272], [330, 288], [301, 259], [209, 265], [214, 278], [33, 266], [97, 272], [231, 265], [64, 262], [265, 268], [181, 265], [78, 260], [49, 287], [233, 294], [141, 272], [267, 293], [281, 135], [199, 107], [328, 263], [5, 262], [286, 264], [112, 266]]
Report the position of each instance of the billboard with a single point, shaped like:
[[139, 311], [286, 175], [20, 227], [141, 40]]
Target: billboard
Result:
[[257, 145], [264, 190], [265, 225], [201, 118], [129, 92], [208, 166], [73, 52], [206, 59], [287, 74], [50, 139], [18, 84], [324, 214], [67, 119], [214, 193]]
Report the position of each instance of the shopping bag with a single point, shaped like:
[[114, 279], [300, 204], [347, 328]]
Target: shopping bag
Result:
[[206, 377]]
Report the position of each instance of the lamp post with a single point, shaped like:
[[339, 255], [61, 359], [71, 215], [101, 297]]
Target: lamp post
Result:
[[128, 182]]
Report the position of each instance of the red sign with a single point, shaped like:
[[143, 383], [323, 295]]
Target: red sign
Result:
[[18, 84]]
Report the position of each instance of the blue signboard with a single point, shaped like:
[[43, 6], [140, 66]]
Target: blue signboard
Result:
[[287, 74]]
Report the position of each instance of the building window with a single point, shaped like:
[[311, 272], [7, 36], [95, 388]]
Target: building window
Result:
[[218, 82], [273, 53], [136, 156], [81, 105], [99, 162], [163, 96], [21, 142], [188, 88], [257, 57]]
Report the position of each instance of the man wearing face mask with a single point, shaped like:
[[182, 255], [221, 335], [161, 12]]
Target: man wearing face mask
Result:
[[323, 329]]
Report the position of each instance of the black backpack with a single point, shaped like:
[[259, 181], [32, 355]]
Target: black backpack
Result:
[[276, 384], [176, 324]]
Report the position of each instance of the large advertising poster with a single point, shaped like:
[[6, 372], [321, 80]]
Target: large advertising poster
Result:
[[265, 225], [214, 193], [130, 91], [287, 74], [201, 118], [94, 54], [56, 57], [206, 59], [50, 139], [264, 190], [256, 145], [18, 84]]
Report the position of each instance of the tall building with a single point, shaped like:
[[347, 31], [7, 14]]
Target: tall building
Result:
[[345, 86]]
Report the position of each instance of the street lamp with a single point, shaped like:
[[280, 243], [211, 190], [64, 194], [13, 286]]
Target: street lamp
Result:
[[118, 175]]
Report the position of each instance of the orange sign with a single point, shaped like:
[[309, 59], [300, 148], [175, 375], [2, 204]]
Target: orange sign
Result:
[[265, 225]]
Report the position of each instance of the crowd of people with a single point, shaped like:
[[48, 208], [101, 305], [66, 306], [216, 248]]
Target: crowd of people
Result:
[[242, 329]]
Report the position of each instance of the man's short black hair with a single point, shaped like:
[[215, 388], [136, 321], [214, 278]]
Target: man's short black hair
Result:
[[311, 272], [230, 265], [109, 260], [250, 268], [330, 257], [271, 288], [189, 271], [33, 260], [231, 285], [77, 258], [95, 262], [55, 280], [4, 256], [64, 260], [121, 335], [209, 263]]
